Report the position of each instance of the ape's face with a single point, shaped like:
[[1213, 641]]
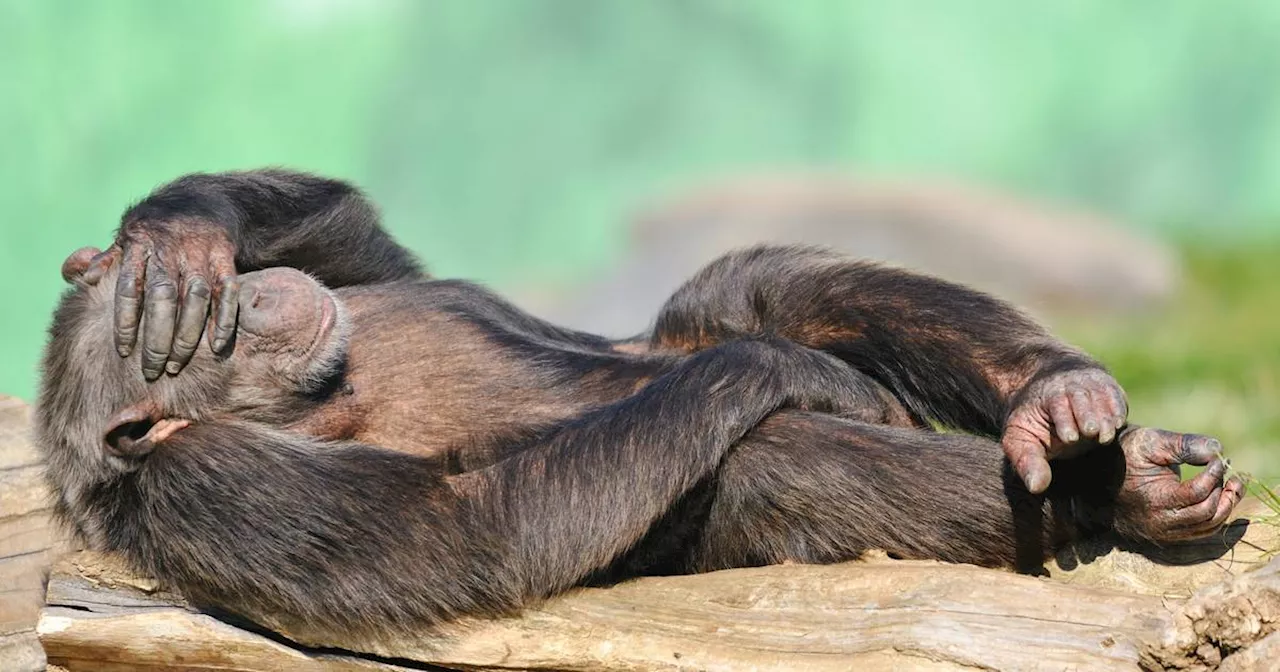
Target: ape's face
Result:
[[291, 338], [291, 333]]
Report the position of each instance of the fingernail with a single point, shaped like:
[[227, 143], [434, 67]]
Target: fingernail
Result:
[[151, 374], [123, 350], [1070, 436], [1090, 428], [172, 367], [219, 344]]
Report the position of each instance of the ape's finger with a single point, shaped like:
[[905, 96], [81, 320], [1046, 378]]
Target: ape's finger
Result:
[[101, 264], [129, 297], [191, 319], [1198, 488], [1118, 406], [160, 315], [1232, 493], [1035, 472], [1027, 456], [1086, 416], [1064, 422], [1179, 522], [1198, 449], [1106, 421], [226, 307], [75, 265]]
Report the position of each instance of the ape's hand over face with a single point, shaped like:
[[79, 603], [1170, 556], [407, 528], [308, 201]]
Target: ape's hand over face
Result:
[[180, 248], [176, 272], [1058, 414]]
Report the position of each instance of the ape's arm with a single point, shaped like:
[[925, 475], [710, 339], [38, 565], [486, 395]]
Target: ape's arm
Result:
[[181, 247], [348, 536], [952, 354], [279, 218]]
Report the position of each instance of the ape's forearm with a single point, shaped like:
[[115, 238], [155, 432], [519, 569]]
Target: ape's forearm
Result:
[[619, 469], [952, 354], [280, 218]]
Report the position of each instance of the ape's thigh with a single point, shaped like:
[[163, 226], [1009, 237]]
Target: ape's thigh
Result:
[[808, 487]]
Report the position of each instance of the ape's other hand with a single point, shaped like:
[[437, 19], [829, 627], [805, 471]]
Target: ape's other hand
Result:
[[177, 274], [1056, 416], [1155, 503]]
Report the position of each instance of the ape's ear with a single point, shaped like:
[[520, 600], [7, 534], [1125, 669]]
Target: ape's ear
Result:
[[86, 265], [127, 432], [76, 264]]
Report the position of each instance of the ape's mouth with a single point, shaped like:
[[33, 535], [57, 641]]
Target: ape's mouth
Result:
[[328, 317]]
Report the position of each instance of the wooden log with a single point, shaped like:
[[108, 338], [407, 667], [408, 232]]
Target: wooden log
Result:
[[29, 541], [878, 615], [1176, 570], [1233, 623]]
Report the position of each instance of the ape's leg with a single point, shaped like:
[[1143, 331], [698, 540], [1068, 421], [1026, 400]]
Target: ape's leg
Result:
[[811, 488], [814, 488], [951, 354]]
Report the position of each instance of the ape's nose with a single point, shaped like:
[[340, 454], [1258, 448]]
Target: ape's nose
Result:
[[278, 299], [263, 298]]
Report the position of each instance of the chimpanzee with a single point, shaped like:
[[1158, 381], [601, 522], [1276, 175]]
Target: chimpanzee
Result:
[[366, 448]]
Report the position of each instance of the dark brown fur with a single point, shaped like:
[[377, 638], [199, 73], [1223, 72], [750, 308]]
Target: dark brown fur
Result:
[[464, 458]]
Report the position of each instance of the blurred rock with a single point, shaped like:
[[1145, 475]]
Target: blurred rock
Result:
[[1046, 259]]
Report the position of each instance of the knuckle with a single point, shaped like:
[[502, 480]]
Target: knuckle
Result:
[[199, 288], [127, 284], [162, 290], [230, 289], [1198, 492], [1203, 511], [153, 356]]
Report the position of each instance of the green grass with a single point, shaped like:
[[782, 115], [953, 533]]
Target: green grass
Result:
[[1210, 361]]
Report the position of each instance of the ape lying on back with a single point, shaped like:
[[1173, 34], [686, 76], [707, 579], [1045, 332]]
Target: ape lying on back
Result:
[[399, 450]]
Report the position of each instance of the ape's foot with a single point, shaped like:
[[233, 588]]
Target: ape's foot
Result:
[[1155, 503]]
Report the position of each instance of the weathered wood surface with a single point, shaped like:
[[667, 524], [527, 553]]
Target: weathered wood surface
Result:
[[876, 615], [1104, 608], [28, 540], [1174, 571]]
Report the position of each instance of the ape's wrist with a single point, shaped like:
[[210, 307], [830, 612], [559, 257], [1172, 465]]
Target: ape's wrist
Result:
[[197, 203], [1047, 368]]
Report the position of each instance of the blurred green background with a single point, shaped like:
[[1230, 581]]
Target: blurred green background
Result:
[[509, 141]]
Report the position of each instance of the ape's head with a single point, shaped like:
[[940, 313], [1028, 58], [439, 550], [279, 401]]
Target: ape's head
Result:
[[291, 340]]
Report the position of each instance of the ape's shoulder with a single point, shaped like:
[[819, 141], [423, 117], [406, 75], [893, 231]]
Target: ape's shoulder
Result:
[[467, 302]]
